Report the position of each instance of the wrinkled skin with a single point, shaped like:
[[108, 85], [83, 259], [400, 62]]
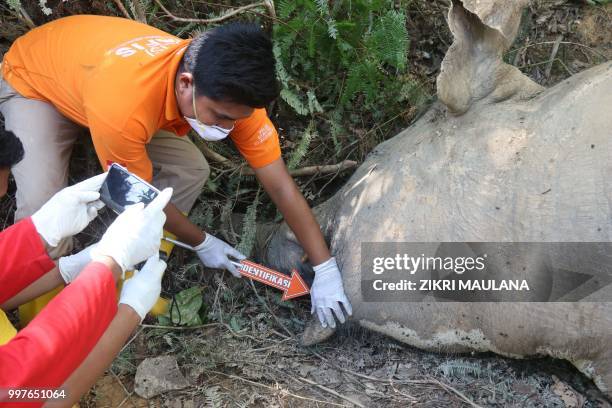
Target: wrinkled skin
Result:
[[499, 159]]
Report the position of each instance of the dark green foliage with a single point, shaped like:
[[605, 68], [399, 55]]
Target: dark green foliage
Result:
[[343, 65], [340, 57]]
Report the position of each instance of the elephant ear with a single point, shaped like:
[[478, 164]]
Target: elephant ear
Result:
[[473, 68]]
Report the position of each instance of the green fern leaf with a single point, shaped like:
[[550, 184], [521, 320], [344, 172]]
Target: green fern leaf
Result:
[[313, 103], [294, 101], [284, 8], [249, 229], [388, 40], [14, 4], [300, 151]]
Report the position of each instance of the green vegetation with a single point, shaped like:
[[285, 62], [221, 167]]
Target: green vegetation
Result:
[[343, 65]]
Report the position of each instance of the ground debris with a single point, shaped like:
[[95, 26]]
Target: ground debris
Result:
[[158, 375]]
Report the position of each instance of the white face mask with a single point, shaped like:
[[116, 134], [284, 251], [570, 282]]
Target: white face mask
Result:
[[206, 132]]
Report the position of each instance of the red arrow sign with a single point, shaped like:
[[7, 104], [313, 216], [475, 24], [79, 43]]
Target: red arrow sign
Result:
[[293, 286]]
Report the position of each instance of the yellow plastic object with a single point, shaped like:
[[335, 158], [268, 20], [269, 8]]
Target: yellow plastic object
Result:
[[161, 306], [167, 246], [29, 310], [7, 330]]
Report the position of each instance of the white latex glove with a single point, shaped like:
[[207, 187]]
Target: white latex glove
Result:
[[70, 266], [327, 293], [142, 290], [69, 211], [213, 253], [136, 233]]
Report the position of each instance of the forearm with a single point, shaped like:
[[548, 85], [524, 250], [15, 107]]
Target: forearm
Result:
[[298, 215], [59, 339], [24, 259], [100, 358], [44, 284], [178, 224]]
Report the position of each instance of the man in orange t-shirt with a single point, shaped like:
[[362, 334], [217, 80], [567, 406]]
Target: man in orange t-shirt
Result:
[[139, 90]]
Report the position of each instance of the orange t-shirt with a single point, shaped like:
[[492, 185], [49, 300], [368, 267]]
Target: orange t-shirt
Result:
[[116, 77]]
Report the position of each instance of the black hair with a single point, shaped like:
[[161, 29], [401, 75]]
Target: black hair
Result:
[[234, 63], [11, 149]]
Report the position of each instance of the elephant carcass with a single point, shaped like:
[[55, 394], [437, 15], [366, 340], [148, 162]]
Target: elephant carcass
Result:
[[499, 159]]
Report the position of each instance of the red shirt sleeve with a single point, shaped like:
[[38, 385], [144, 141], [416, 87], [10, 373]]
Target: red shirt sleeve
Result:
[[24, 258], [57, 341]]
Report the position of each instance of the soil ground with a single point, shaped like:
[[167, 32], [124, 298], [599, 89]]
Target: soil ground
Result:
[[247, 351]]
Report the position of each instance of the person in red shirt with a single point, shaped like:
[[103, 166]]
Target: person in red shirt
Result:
[[139, 91], [77, 335]]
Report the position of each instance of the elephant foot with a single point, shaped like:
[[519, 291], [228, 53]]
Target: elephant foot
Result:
[[314, 333]]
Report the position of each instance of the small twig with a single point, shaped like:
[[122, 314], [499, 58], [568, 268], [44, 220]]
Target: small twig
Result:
[[119, 381], [139, 11], [280, 334], [201, 326], [122, 8], [301, 172], [216, 19], [270, 310], [214, 156], [562, 42], [130, 340], [323, 169], [129, 397], [553, 54], [127, 393], [390, 381], [227, 326], [454, 390], [329, 390], [23, 15], [235, 377]]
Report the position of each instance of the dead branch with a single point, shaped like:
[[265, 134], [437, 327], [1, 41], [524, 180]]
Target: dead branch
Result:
[[455, 391], [329, 390], [323, 169], [214, 156], [25, 17], [139, 10], [274, 389], [312, 170], [122, 8], [301, 172], [553, 54], [266, 3]]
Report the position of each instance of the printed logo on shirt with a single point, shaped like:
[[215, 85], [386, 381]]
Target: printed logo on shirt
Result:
[[264, 133], [150, 45]]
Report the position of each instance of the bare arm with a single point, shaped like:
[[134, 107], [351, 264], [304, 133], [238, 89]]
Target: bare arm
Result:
[[44, 284], [100, 358], [178, 224], [283, 191]]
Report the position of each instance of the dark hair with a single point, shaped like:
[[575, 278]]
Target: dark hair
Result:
[[11, 149], [234, 63]]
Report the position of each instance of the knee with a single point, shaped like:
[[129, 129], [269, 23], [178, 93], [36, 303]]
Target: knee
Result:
[[202, 167], [199, 169]]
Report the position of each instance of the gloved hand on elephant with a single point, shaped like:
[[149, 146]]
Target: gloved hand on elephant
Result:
[[327, 294], [214, 253], [69, 211]]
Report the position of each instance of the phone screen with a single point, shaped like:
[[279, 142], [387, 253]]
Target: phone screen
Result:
[[122, 189]]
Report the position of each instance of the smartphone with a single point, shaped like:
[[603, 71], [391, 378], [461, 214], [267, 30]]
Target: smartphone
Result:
[[122, 189]]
